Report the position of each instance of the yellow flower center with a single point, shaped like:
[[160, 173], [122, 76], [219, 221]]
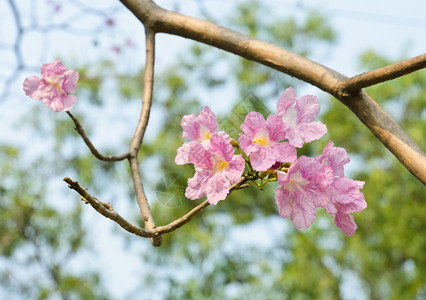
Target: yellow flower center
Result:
[[262, 141], [262, 138], [221, 165], [53, 81], [205, 133]]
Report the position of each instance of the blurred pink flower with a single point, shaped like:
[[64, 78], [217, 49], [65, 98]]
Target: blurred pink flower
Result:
[[53, 88], [110, 22], [302, 190], [130, 42], [198, 130], [56, 6], [344, 193], [116, 49], [298, 115], [261, 140], [216, 169]]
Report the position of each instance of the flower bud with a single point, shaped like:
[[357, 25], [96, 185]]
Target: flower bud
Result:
[[234, 143]]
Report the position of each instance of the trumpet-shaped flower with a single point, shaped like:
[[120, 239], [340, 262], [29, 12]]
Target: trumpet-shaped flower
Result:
[[298, 116], [216, 169], [302, 190], [344, 193], [198, 130], [261, 140], [54, 87], [345, 198]]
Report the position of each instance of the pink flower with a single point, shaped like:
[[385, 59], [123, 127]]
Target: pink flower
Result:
[[302, 190], [261, 140], [344, 193], [198, 130], [298, 115], [335, 157], [216, 168], [54, 87], [110, 22], [345, 198]]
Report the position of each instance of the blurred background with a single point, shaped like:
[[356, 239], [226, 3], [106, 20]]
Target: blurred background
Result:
[[52, 246]]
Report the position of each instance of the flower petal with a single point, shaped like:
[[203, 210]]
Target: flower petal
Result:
[[217, 188], [219, 145], [335, 157], [346, 223], [68, 102], [51, 69], [308, 108], [33, 87], [252, 122], [282, 199], [236, 169], [274, 125], [196, 186], [191, 127], [70, 79], [312, 131], [286, 100], [303, 213], [208, 119]]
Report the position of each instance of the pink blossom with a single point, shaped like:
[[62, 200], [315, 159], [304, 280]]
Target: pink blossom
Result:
[[198, 130], [217, 168], [53, 88], [302, 190], [110, 22], [130, 42], [298, 115], [116, 49], [335, 157], [345, 198], [261, 140], [344, 193]]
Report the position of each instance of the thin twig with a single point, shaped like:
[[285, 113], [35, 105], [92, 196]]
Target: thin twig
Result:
[[92, 148], [196, 210], [16, 46], [383, 74], [140, 132], [106, 210]]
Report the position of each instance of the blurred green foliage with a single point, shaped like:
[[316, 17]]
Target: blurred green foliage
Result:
[[39, 239]]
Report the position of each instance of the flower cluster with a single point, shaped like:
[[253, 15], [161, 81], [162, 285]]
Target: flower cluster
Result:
[[54, 87], [216, 166], [268, 148]]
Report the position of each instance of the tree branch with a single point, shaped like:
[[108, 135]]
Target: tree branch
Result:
[[139, 134], [106, 210], [92, 148], [383, 74], [366, 109], [196, 210]]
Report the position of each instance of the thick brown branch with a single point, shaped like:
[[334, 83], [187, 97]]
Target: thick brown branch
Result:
[[367, 110], [139, 134], [383, 74], [92, 148], [106, 210], [196, 210]]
